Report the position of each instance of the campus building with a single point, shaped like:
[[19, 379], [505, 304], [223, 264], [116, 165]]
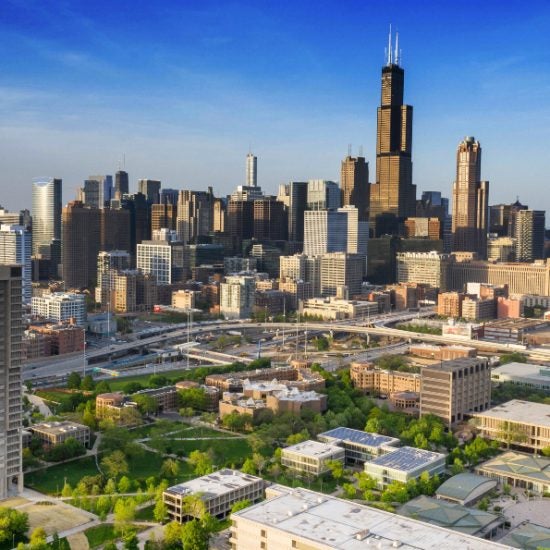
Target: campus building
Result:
[[51, 434], [523, 374], [310, 457], [373, 380], [218, 491]]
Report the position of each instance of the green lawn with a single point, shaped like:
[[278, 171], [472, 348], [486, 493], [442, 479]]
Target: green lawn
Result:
[[119, 382], [51, 395], [145, 514], [100, 534], [204, 432], [171, 426], [51, 480], [227, 451]]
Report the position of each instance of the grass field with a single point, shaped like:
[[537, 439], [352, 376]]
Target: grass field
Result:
[[116, 384], [51, 395], [100, 534], [51, 480], [145, 514]]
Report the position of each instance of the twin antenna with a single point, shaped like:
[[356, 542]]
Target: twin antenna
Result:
[[394, 57]]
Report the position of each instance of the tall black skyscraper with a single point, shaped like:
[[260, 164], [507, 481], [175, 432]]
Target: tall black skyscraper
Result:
[[121, 184], [393, 196]]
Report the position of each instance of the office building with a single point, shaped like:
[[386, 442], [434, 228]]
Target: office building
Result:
[[337, 309], [404, 464], [194, 215], [359, 446], [251, 170], [240, 222], [294, 195], [163, 215], [325, 231], [520, 423], [310, 457], [236, 264], [218, 491], [393, 196], [15, 248], [122, 186], [237, 297], [151, 190], [322, 195], [423, 228], [355, 186], [454, 390], [11, 317], [113, 228], [51, 434], [134, 291], [219, 215], [23, 217], [529, 235], [300, 518], [513, 331], [60, 307], [341, 274], [501, 249], [108, 263], [97, 191], [163, 258], [140, 219], [358, 232], [520, 470], [270, 220], [46, 221], [430, 268], [470, 200]]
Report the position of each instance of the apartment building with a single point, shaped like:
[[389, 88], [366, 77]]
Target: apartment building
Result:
[[60, 307]]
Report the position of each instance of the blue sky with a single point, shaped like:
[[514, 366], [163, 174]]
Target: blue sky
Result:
[[182, 89]]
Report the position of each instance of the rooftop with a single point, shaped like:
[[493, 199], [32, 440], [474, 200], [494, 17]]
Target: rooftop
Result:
[[446, 514], [516, 410], [358, 437], [330, 522], [313, 449], [519, 465], [528, 536], [537, 373], [294, 394], [406, 459], [516, 323], [215, 484], [455, 364], [459, 487], [58, 427]]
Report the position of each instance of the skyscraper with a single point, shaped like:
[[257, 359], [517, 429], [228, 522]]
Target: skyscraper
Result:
[[11, 320], [355, 187], [270, 221], [529, 235], [393, 195], [294, 196], [122, 186], [46, 218], [470, 200], [15, 248], [105, 189], [194, 217], [151, 190], [325, 231], [322, 194], [251, 170]]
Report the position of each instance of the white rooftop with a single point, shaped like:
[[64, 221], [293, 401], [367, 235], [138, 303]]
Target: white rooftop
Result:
[[314, 449], [294, 394], [330, 522], [407, 459], [516, 410], [536, 373], [215, 484]]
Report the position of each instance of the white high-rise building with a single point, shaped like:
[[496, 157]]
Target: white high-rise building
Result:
[[15, 248], [163, 259], [325, 231], [11, 320], [251, 170], [60, 307], [46, 218], [237, 296], [322, 194]]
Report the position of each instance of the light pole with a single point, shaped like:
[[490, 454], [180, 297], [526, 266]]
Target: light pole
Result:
[[84, 356]]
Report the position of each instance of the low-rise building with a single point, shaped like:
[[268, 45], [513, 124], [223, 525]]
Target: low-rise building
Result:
[[310, 457], [528, 536], [512, 331], [520, 423], [218, 491], [403, 464], [185, 299], [523, 374], [299, 518], [465, 488], [457, 517], [166, 398], [114, 406], [236, 402], [518, 470], [293, 400], [56, 433], [478, 309], [359, 446], [334, 308], [373, 380], [60, 307], [442, 353]]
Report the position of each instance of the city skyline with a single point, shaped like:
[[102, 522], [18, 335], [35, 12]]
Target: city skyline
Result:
[[296, 106]]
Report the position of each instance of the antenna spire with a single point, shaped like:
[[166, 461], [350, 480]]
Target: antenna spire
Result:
[[389, 48], [349, 149], [396, 56]]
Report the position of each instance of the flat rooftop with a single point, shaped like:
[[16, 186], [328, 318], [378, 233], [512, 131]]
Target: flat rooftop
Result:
[[215, 484], [539, 373], [359, 437], [455, 364], [516, 410], [314, 449], [58, 427], [294, 394], [406, 459], [330, 522]]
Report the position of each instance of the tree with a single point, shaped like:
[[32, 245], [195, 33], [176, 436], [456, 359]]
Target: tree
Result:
[[195, 398], [322, 343], [124, 514], [38, 539], [160, 512], [73, 381], [201, 462], [511, 432], [87, 383], [249, 467], [115, 464], [194, 536], [457, 466], [132, 387], [336, 468], [240, 505], [124, 484], [13, 524], [349, 490], [170, 468], [103, 506], [103, 387], [172, 534], [146, 404], [131, 541]]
